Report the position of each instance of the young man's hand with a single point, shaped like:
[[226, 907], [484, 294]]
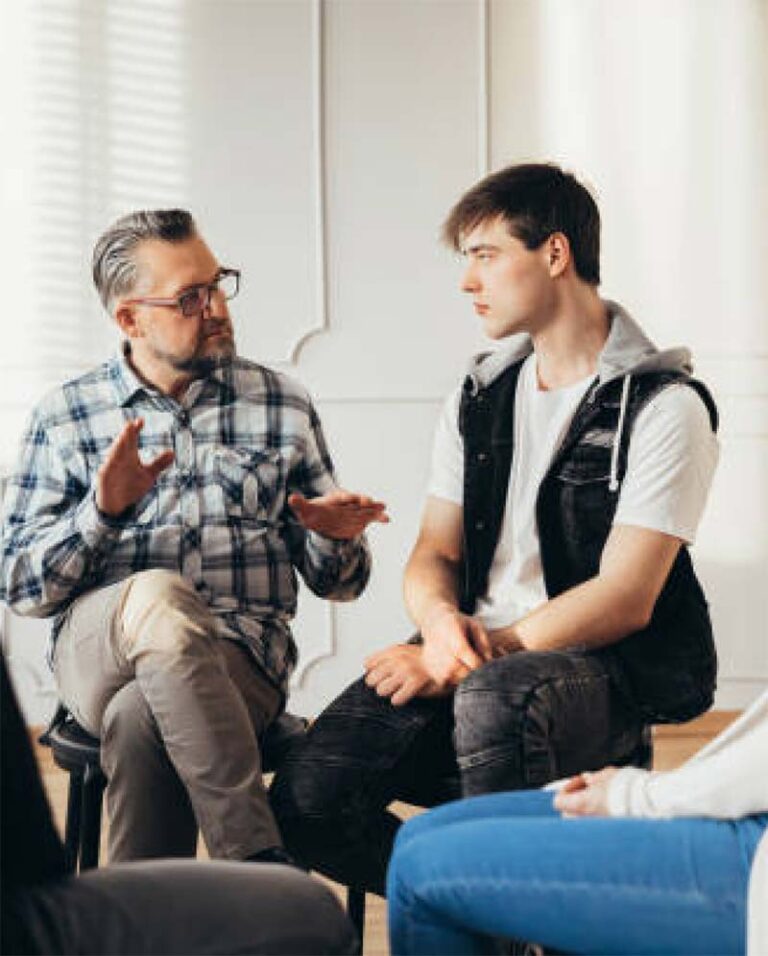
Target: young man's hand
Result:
[[505, 640], [338, 514], [454, 645], [123, 479], [399, 673], [586, 795]]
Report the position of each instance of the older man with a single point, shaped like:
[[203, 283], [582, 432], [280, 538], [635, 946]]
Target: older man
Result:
[[161, 506]]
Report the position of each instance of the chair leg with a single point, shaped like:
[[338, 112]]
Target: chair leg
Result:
[[74, 817], [93, 789], [356, 911]]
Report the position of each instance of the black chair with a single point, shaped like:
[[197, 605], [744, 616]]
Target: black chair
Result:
[[77, 752]]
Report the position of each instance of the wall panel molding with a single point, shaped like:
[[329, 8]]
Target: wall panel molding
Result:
[[318, 157], [483, 88], [312, 651]]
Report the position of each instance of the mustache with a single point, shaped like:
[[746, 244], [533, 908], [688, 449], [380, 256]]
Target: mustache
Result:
[[213, 325]]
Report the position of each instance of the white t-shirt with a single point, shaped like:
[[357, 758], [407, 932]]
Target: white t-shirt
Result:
[[672, 457]]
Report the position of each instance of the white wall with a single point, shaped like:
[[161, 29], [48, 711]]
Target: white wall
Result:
[[320, 145]]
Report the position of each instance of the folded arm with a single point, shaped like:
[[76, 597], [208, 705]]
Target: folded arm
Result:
[[618, 601]]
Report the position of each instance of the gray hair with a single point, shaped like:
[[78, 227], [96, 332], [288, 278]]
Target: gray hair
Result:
[[115, 270]]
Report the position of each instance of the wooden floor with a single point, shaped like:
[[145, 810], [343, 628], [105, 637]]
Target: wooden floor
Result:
[[672, 745]]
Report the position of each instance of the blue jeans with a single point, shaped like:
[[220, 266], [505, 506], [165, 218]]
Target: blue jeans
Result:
[[508, 865]]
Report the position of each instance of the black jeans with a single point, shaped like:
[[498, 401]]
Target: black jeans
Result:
[[516, 722]]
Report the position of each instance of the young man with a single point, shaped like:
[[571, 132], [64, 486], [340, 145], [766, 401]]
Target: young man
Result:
[[160, 508], [557, 608]]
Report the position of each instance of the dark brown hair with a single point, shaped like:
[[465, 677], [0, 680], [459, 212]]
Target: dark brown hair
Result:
[[535, 200]]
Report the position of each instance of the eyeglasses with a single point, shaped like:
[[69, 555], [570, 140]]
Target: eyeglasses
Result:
[[195, 300]]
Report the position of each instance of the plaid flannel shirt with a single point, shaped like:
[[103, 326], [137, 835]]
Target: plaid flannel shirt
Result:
[[244, 438]]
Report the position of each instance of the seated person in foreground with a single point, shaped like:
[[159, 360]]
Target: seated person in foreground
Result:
[[161, 509], [639, 862], [551, 583], [169, 907]]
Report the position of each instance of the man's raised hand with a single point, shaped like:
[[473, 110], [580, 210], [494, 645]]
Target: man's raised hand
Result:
[[123, 479], [338, 514]]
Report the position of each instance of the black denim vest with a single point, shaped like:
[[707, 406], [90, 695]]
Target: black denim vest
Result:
[[668, 669]]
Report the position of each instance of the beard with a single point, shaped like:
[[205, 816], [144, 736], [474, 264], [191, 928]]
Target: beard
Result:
[[207, 356], [199, 366]]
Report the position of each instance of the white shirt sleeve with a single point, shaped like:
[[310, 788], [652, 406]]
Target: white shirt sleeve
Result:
[[672, 457], [447, 475], [726, 781]]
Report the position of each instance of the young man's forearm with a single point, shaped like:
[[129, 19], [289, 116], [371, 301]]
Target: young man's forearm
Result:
[[593, 614], [430, 582], [618, 601]]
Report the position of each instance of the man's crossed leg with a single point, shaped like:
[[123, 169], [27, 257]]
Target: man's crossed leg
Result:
[[180, 714]]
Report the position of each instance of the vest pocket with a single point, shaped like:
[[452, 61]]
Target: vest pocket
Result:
[[587, 464]]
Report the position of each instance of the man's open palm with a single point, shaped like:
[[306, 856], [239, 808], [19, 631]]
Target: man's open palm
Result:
[[123, 478], [338, 514]]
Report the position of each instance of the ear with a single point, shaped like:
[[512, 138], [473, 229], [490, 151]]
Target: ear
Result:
[[558, 253], [127, 320]]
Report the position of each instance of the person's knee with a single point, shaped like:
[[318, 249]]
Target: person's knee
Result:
[[162, 612], [502, 729], [482, 698], [159, 587], [411, 830], [314, 811], [340, 759], [299, 793], [502, 693]]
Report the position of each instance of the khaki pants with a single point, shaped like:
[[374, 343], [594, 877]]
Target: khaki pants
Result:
[[180, 714]]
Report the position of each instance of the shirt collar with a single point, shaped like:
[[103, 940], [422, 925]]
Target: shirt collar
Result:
[[127, 384], [129, 387]]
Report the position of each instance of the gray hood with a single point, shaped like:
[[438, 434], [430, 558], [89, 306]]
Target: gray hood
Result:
[[627, 350]]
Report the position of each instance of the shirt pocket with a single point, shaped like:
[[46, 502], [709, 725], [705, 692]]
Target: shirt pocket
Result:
[[250, 482]]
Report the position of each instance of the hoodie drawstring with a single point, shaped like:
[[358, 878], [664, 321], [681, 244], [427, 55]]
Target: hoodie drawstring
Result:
[[613, 484]]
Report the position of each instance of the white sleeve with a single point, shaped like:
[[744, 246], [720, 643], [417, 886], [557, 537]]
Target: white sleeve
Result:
[[728, 782], [447, 476], [672, 458]]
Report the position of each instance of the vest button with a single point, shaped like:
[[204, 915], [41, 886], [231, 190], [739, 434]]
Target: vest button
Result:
[[479, 526], [482, 457]]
